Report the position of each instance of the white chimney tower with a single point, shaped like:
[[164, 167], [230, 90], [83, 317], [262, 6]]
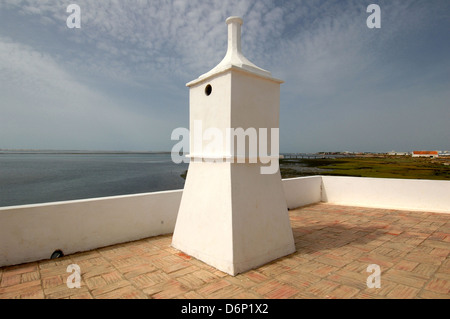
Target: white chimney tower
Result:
[[232, 215]]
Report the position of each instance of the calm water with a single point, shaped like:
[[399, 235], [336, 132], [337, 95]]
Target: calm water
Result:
[[40, 178]]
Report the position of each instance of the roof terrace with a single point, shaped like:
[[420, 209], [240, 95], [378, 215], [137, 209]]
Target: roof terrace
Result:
[[334, 246]]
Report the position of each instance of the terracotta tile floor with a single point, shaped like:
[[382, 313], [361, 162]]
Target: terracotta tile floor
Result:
[[335, 246]]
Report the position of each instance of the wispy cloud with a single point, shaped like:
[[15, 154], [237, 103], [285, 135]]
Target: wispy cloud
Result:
[[130, 60], [43, 104]]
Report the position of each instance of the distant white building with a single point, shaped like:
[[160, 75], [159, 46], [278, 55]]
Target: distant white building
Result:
[[398, 153], [432, 154]]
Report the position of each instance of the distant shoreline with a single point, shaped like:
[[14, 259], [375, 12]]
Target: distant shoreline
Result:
[[81, 152]]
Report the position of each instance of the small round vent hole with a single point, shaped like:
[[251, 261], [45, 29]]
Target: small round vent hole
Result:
[[208, 90]]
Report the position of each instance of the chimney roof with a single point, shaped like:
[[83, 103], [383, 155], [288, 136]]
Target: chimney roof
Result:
[[234, 57]]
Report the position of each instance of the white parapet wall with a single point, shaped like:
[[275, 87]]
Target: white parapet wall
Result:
[[302, 191], [403, 194], [33, 232]]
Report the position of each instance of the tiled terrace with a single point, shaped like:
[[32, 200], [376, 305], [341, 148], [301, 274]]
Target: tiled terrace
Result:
[[335, 245]]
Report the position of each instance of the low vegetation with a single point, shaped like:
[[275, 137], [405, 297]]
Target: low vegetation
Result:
[[383, 167]]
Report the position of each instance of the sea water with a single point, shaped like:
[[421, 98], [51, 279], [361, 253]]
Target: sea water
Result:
[[31, 178]]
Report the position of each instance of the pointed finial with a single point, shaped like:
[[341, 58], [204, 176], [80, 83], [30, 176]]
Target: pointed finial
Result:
[[234, 57], [234, 35]]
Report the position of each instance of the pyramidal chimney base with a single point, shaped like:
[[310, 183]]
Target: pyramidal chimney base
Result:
[[231, 216]]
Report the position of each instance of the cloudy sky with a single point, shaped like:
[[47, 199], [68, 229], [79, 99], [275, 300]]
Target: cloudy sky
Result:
[[118, 82]]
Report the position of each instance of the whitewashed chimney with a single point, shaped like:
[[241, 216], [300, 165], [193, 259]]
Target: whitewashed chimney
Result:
[[232, 216]]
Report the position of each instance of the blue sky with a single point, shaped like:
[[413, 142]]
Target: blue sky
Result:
[[118, 82]]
